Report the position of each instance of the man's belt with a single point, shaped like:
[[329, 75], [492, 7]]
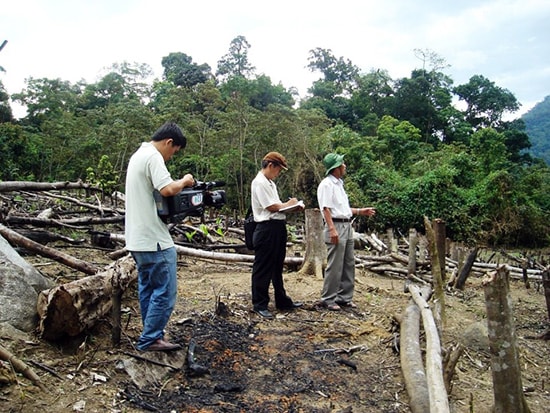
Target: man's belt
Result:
[[341, 219]]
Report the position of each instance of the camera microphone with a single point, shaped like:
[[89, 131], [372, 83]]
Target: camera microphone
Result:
[[216, 184]]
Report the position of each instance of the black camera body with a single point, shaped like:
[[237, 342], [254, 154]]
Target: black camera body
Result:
[[191, 201]]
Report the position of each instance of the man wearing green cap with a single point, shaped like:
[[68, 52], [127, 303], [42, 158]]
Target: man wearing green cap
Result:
[[339, 279]]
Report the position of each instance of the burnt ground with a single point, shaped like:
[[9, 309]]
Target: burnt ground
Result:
[[310, 360]]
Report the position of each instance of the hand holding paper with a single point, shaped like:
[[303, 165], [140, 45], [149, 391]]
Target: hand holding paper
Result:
[[294, 207]]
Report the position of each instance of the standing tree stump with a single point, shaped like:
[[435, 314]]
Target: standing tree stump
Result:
[[546, 285], [315, 257], [507, 386], [439, 289], [441, 245], [413, 243]]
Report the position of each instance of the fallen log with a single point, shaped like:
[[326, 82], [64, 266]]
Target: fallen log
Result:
[[466, 269], [69, 309], [68, 222], [410, 353], [218, 256], [439, 402], [99, 208], [7, 186], [45, 251]]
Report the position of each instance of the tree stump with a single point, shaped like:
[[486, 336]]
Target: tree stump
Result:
[[505, 366], [315, 257]]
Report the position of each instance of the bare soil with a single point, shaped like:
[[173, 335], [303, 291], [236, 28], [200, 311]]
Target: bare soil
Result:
[[309, 360]]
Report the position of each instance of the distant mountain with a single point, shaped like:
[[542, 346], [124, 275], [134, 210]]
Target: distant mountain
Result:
[[537, 126]]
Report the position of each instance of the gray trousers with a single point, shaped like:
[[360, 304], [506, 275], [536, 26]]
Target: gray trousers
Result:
[[339, 277]]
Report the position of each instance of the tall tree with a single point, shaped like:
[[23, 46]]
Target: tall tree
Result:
[[6, 114], [332, 92], [339, 75], [421, 100], [180, 70], [235, 62], [486, 102], [372, 99]]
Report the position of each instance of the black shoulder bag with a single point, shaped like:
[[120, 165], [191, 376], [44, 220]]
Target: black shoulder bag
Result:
[[249, 227]]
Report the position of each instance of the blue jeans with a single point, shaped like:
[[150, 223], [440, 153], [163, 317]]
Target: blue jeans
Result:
[[157, 289]]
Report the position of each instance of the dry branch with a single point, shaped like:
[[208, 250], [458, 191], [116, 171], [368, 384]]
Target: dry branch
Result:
[[68, 222], [21, 367], [217, 256], [45, 251]]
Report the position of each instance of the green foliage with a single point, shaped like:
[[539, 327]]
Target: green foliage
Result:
[[235, 63], [104, 176], [409, 152], [489, 149], [180, 70], [486, 102]]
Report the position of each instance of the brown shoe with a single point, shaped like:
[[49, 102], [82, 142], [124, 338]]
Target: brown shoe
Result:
[[161, 345]]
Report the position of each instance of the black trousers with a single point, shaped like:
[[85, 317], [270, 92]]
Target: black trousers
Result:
[[270, 251]]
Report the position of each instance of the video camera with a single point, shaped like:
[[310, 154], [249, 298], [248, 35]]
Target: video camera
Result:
[[191, 201]]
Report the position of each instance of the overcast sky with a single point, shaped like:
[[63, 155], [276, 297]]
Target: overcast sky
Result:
[[507, 41]]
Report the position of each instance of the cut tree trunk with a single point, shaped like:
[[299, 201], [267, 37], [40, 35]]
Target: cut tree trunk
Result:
[[71, 308], [466, 269], [218, 256], [412, 366], [315, 257], [439, 289], [546, 285], [441, 245], [44, 251], [505, 366], [413, 242], [439, 402], [8, 186]]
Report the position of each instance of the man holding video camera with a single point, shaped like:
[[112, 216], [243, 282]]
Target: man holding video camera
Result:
[[148, 238]]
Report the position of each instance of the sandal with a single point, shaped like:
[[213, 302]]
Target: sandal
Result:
[[334, 307], [350, 304]]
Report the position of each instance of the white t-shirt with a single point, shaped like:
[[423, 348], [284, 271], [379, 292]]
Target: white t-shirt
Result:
[[264, 194], [143, 227], [331, 195]]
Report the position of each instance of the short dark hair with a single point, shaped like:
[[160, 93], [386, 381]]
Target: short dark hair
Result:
[[170, 130]]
